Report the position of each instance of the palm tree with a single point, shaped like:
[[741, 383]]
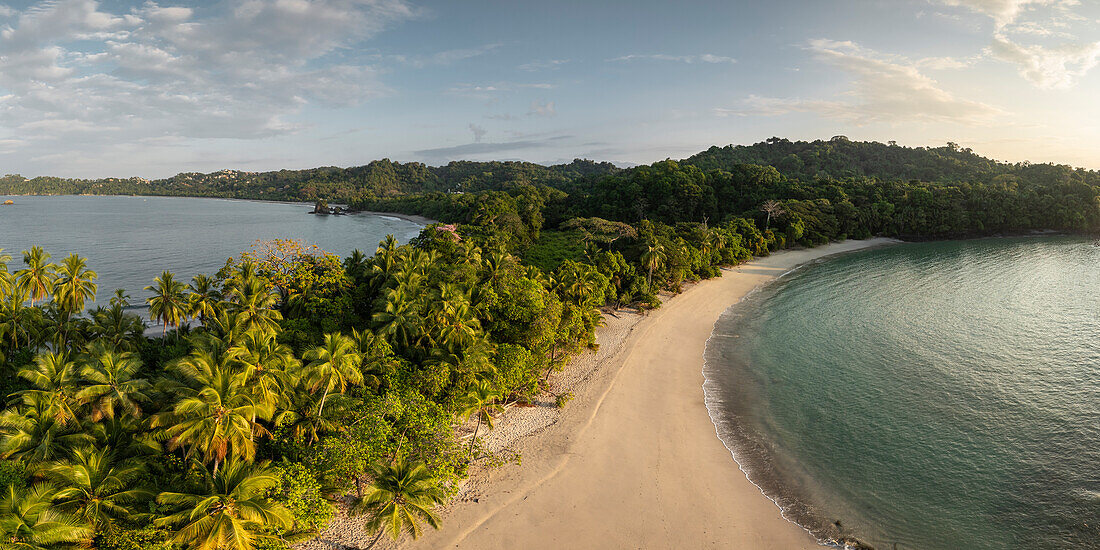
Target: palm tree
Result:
[[7, 280], [233, 513], [16, 320], [374, 351], [356, 264], [38, 277], [167, 305], [218, 417], [113, 384], [453, 318], [126, 436], [653, 258], [399, 319], [54, 377], [120, 330], [31, 431], [75, 284], [299, 416], [57, 326], [480, 399], [204, 299], [94, 486], [120, 299], [28, 520], [227, 325], [254, 298], [386, 260], [495, 264], [772, 208], [334, 365], [401, 495], [266, 363]]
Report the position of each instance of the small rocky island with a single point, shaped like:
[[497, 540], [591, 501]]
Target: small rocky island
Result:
[[321, 208]]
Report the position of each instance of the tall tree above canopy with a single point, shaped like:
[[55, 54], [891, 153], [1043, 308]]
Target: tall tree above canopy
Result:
[[75, 284], [167, 305], [772, 208], [37, 279], [334, 365]]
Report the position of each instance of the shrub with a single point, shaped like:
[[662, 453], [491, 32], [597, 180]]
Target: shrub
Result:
[[300, 492], [563, 399], [146, 538]]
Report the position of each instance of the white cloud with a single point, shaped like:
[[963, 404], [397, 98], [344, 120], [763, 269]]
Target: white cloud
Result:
[[73, 69], [690, 59], [542, 108], [542, 65], [1048, 67], [884, 89], [446, 57], [1004, 12], [945, 63]]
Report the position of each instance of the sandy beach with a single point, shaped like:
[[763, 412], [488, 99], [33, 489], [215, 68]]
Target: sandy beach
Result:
[[633, 461], [407, 217]]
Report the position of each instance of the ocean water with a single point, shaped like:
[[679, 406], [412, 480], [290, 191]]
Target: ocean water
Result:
[[932, 396], [130, 240]]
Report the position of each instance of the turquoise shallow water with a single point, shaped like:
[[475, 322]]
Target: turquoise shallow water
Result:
[[130, 240], [926, 396]]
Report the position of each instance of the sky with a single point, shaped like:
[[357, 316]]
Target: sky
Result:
[[152, 88]]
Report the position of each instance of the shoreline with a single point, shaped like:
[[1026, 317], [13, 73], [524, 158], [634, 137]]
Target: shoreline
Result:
[[407, 217], [791, 510], [421, 220], [635, 460]]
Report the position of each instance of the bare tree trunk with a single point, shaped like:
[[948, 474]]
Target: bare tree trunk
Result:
[[377, 536], [553, 352], [476, 428]]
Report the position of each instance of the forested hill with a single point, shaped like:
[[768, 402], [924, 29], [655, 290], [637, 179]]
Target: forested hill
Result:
[[819, 191], [380, 178], [833, 188], [841, 158]]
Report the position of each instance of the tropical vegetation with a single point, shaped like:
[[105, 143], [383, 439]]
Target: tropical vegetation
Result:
[[292, 376]]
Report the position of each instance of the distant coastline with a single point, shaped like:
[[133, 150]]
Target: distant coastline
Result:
[[421, 220]]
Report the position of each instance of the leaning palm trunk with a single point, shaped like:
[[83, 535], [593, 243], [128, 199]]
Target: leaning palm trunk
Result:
[[323, 398], [377, 536], [476, 429]]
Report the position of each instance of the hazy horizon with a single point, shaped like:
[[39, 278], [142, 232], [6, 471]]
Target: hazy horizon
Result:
[[544, 163], [141, 88]]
